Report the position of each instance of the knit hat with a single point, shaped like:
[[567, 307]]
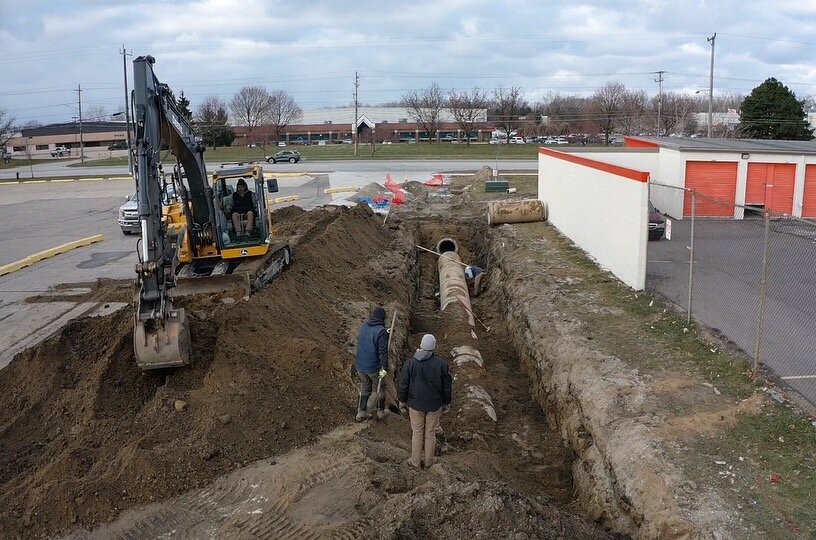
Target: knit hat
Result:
[[428, 343], [377, 314]]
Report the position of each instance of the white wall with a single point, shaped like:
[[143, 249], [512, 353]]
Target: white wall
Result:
[[600, 209], [641, 159]]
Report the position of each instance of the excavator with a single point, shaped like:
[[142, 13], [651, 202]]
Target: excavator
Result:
[[193, 243]]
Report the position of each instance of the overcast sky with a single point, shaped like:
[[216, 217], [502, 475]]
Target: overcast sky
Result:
[[311, 49]]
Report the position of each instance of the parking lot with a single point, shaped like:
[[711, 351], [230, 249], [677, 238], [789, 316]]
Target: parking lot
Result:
[[726, 292]]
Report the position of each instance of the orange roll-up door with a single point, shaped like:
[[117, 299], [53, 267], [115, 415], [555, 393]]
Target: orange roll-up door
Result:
[[809, 200], [716, 185]]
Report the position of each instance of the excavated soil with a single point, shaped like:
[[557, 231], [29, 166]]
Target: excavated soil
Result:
[[256, 438]]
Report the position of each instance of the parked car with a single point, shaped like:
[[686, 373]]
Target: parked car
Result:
[[657, 223], [292, 156], [516, 140], [118, 145], [60, 151], [129, 212]]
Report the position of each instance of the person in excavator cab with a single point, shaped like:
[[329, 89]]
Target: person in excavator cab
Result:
[[243, 208]]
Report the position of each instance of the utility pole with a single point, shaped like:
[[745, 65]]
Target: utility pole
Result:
[[81, 146], [354, 124], [125, 54], [659, 82], [711, 83]]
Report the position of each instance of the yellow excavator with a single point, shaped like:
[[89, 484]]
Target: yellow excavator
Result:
[[208, 239]]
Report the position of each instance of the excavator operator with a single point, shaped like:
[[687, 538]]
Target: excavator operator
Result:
[[243, 208]]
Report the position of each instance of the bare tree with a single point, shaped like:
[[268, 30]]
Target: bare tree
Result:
[[565, 114], [212, 121], [633, 113], [251, 107], [675, 113], [94, 113], [468, 109], [6, 128], [509, 108], [425, 107], [283, 111], [607, 106]]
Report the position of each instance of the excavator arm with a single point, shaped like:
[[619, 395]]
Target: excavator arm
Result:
[[161, 332]]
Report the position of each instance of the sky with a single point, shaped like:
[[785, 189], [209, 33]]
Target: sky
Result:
[[312, 49]]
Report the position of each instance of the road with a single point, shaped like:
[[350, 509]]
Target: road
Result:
[[727, 277], [39, 216]]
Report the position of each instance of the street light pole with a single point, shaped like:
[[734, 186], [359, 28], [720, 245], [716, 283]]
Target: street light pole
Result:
[[125, 54], [711, 83], [79, 118]]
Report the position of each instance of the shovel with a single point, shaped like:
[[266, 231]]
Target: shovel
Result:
[[487, 328], [390, 330]]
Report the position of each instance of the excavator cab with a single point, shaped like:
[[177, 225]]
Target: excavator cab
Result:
[[241, 186]]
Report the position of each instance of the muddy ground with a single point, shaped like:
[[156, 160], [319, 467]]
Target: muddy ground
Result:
[[265, 413]]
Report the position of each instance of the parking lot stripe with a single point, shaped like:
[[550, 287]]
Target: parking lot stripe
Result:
[[279, 200], [339, 189], [90, 179], [63, 180], [798, 377], [39, 256]]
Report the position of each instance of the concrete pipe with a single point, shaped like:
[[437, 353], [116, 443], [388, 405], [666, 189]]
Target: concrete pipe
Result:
[[447, 245], [516, 211], [452, 285]]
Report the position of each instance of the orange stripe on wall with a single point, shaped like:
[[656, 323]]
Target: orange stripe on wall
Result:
[[632, 174], [632, 142]]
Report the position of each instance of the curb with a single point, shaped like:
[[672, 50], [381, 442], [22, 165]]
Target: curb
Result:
[[37, 257]]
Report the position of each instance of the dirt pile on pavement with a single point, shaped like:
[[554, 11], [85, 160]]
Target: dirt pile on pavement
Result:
[[86, 434]]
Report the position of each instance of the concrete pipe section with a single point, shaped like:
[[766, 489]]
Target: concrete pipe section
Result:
[[475, 406], [452, 285], [516, 211]]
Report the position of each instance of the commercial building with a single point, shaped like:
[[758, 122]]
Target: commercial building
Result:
[[95, 137]]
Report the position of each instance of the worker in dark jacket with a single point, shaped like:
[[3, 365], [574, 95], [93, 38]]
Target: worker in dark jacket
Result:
[[425, 388], [372, 362]]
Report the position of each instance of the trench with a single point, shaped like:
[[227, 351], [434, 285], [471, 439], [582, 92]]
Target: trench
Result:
[[522, 446]]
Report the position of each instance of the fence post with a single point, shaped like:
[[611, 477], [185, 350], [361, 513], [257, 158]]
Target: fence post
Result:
[[762, 291], [691, 256]]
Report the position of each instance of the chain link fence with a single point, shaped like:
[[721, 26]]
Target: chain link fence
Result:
[[752, 279]]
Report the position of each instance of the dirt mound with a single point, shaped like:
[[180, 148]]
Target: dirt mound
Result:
[[350, 486], [269, 374]]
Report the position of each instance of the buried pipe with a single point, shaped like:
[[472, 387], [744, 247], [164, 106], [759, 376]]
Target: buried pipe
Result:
[[452, 285], [516, 211]]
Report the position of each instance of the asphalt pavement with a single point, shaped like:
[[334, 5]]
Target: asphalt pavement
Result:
[[726, 294]]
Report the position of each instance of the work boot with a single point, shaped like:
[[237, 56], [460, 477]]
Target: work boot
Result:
[[381, 413], [362, 415]]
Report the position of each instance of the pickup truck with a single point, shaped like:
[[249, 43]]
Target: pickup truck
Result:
[[60, 151]]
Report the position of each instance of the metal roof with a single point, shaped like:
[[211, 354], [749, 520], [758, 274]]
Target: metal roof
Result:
[[72, 128], [733, 145]]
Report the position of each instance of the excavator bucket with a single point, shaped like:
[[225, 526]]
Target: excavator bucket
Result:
[[163, 345]]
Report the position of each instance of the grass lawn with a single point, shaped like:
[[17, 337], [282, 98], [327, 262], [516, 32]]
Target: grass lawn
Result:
[[364, 152], [22, 164]]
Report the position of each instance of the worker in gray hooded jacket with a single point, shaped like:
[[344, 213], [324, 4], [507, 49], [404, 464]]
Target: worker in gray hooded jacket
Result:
[[372, 362], [425, 386]]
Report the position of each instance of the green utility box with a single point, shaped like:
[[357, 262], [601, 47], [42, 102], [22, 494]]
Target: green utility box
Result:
[[496, 186]]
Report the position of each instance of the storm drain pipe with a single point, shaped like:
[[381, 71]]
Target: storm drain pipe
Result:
[[452, 285], [474, 407]]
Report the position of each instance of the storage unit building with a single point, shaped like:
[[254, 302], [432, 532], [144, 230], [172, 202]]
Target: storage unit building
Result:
[[728, 174]]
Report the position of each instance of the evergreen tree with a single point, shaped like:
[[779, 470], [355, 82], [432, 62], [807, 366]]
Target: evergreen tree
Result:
[[184, 106], [772, 111]]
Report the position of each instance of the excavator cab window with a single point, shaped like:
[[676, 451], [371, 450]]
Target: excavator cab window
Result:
[[240, 207]]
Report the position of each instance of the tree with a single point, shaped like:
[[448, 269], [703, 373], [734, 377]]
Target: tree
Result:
[[771, 111], [282, 111], [251, 107], [676, 113], [184, 106], [212, 121], [633, 112], [566, 114], [94, 113], [509, 108], [425, 107], [468, 109], [607, 106], [6, 128]]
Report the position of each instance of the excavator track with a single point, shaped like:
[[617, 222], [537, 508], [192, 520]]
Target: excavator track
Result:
[[244, 275]]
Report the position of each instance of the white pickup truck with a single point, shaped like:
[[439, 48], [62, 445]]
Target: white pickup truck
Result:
[[60, 151]]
